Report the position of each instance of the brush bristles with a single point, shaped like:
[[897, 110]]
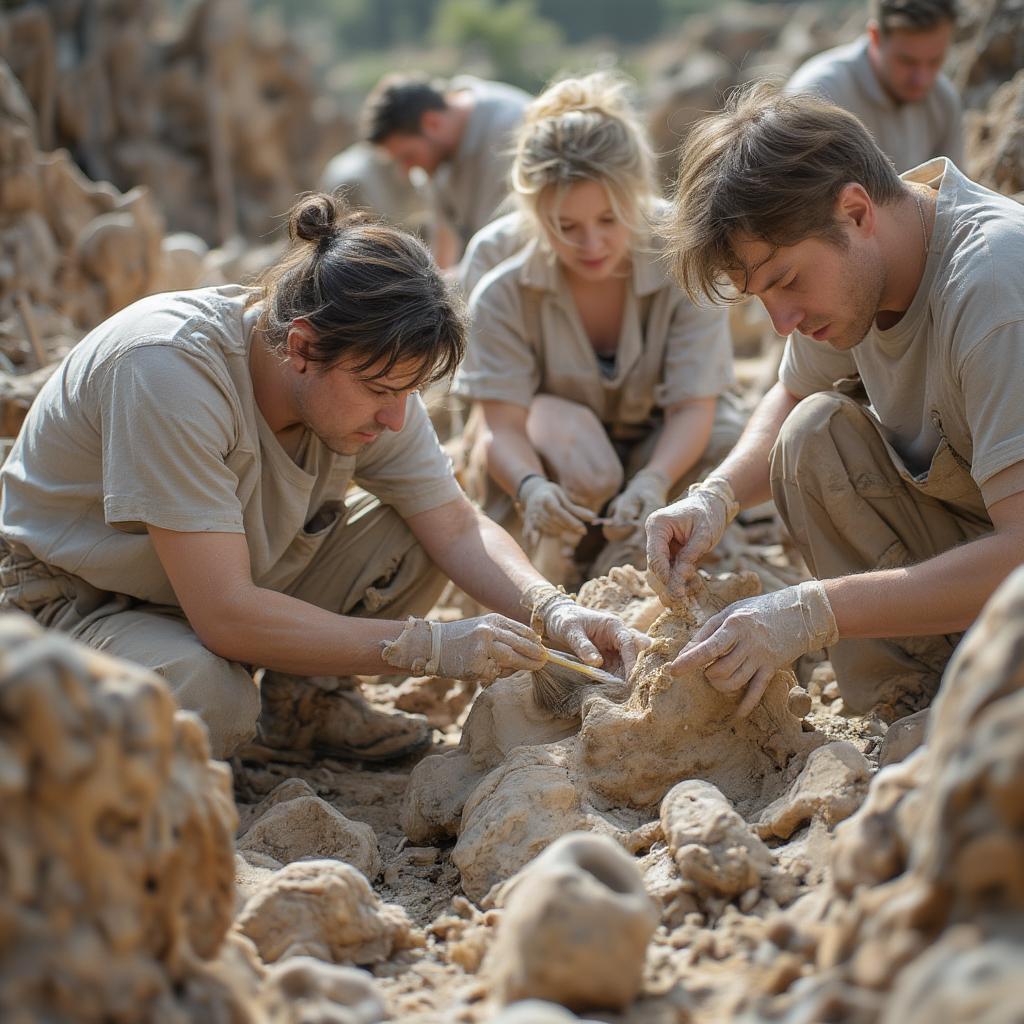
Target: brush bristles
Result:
[[561, 692]]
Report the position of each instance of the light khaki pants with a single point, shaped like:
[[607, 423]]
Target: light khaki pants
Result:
[[369, 564], [849, 509]]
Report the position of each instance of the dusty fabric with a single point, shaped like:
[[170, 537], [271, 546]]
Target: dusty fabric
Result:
[[949, 371], [851, 506], [152, 420], [527, 338], [369, 564], [469, 188], [908, 133]]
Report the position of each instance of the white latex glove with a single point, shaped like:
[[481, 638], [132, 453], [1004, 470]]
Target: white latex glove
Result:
[[748, 642], [644, 494], [481, 649], [547, 509], [681, 534], [595, 637]]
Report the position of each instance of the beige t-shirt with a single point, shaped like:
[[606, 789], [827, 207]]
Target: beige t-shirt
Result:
[[954, 363], [469, 188], [908, 133], [151, 419], [526, 337]]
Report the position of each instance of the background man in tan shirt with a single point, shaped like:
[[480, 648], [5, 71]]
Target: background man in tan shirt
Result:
[[179, 496], [893, 443], [892, 79], [462, 137]]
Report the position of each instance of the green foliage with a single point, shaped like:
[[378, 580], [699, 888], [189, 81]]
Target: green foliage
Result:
[[511, 35]]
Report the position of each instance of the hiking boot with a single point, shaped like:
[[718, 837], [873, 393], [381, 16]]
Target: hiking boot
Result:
[[304, 714]]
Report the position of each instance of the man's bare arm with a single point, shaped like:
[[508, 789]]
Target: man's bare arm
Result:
[[941, 595], [240, 621], [477, 555], [746, 466]]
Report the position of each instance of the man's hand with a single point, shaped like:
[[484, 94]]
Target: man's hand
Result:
[[597, 638], [681, 534], [547, 509], [748, 642], [644, 494], [480, 650]]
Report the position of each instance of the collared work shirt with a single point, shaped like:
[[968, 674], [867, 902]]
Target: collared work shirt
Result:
[[527, 338]]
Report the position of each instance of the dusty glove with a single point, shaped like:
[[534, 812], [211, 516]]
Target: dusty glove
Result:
[[644, 494], [547, 509], [681, 534], [597, 638], [748, 642], [480, 650]]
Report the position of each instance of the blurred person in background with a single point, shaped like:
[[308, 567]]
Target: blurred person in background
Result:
[[461, 136], [891, 78], [600, 388]]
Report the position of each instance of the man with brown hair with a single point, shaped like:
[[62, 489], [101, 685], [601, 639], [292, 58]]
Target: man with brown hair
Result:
[[893, 442], [891, 78], [461, 136]]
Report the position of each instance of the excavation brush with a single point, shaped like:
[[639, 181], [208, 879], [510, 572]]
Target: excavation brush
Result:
[[562, 684]]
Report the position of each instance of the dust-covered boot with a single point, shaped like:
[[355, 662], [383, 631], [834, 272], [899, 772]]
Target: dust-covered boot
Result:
[[330, 716]]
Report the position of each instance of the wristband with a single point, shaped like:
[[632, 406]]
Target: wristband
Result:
[[529, 476]]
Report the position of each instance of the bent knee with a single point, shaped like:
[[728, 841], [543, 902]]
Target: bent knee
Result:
[[808, 434], [574, 444], [223, 693]]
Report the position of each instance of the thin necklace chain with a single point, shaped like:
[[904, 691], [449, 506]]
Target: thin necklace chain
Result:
[[924, 228]]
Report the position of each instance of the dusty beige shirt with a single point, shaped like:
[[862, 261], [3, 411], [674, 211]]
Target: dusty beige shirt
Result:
[[954, 363], [908, 133], [526, 337], [151, 419], [469, 188]]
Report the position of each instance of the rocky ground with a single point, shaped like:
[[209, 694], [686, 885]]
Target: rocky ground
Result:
[[648, 859]]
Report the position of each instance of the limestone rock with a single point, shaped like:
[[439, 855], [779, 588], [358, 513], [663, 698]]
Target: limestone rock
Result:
[[903, 737], [871, 847], [995, 139], [302, 990], [252, 871], [502, 718], [715, 850], [513, 814], [625, 591], [115, 833], [325, 909], [537, 1011], [575, 929], [672, 729], [307, 827], [831, 786]]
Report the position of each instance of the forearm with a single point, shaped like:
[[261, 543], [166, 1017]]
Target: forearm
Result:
[[510, 457], [683, 438], [262, 627], [918, 600], [478, 556], [746, 466]]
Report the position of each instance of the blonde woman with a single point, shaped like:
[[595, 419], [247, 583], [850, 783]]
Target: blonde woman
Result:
[[599, 387]]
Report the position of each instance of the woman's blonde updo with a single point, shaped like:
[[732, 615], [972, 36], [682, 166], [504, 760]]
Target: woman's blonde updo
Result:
[[585, 129]]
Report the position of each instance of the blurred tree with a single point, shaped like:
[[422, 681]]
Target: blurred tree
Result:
[[511, 35], [633, 22]]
